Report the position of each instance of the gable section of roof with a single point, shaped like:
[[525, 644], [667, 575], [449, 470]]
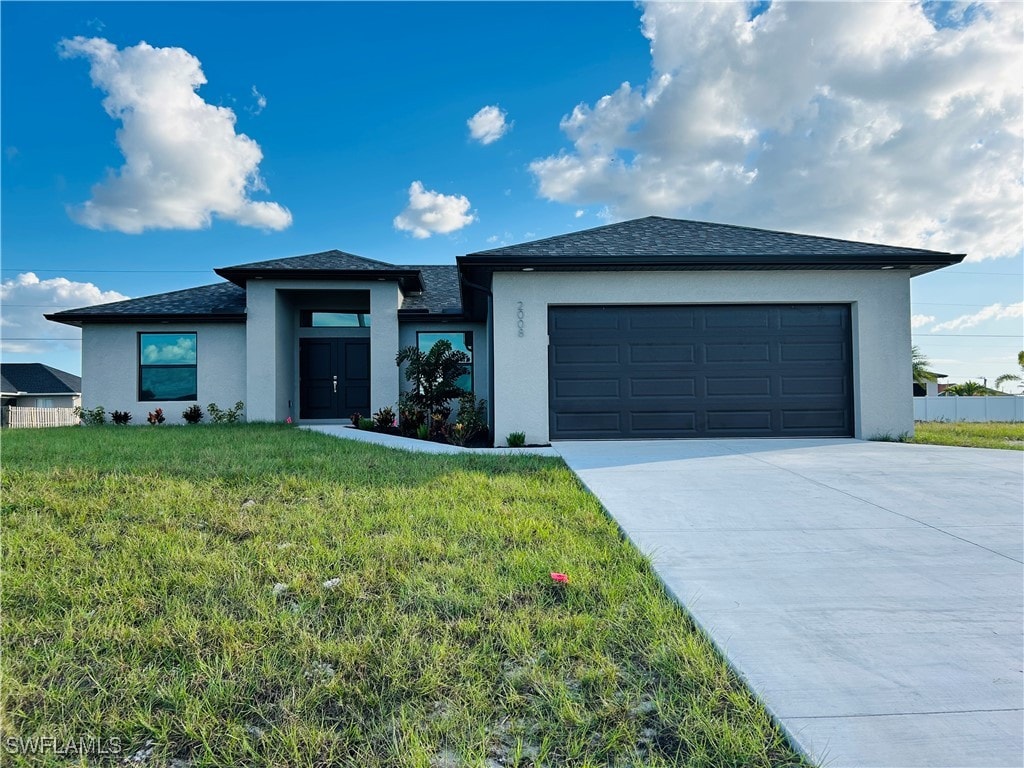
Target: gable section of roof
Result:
[[326, 265], [219, 302], [322, 261], [38, 378]]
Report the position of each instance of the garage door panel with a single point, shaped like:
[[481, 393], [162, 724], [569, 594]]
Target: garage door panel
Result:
[[672, 387], [739, 421], [587, 388], [662, 423], [586, 354], [813, 419], [814, 316], [755, 319], [594, 423], [813, 385], [659, 353], [700, 370], [719, 352], [725, 386], [817, 352], [641, 318]]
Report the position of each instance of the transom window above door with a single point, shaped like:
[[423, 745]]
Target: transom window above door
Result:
[[314, 318]]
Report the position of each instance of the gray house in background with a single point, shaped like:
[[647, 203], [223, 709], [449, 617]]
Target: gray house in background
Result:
[[34, 385], [651, 328]]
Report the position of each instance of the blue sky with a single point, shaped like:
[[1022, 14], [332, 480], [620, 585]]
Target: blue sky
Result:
[[892, 123]]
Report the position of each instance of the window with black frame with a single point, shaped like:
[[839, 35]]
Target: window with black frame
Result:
[[461, 341], [167, 367]]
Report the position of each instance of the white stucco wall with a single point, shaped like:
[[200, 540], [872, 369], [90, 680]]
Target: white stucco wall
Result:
[[272, 341], [110, 367], [880, 310]]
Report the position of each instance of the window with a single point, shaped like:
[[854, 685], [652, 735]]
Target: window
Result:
[[44, 402], [461, 341], [167, 366], [314, 319]]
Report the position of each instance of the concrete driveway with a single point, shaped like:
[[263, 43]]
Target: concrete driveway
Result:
[[872, 594]]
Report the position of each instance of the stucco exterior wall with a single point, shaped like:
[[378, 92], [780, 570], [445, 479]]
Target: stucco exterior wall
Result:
[[110, 367], [880, 308]]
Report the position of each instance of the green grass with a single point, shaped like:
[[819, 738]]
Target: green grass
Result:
[[999, 434], [138, 605]]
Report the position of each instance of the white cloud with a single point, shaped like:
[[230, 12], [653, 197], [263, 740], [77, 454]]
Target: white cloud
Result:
[[26, 298], [488, 125], [917, 321], [431, 213], [856, 120], [579, 213], [261, 101], [991, 312], [184, 163]]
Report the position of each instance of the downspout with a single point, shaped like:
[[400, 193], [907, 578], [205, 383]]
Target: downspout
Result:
[[490, 348]]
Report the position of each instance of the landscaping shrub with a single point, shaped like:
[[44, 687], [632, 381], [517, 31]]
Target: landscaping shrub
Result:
[[410, 416], [356, 418], [156, 417], [193, 414], [423, 432], [366, 424], [225, 416], [120, 417], [472, 417], [92, 417], [434, 376], [384, 420], [516, 439]]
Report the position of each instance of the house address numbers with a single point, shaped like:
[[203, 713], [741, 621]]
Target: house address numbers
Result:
[[520, 319]]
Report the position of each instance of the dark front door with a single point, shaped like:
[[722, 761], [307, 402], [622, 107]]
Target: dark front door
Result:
[[746, 370], [334, 378]]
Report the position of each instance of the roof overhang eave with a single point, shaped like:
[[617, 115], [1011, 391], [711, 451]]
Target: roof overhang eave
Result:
[[410, 280]]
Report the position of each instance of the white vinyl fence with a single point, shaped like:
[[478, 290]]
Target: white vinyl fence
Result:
[[39, 417], [956, 408]]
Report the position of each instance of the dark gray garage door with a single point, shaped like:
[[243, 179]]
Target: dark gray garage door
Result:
[[746, 370]]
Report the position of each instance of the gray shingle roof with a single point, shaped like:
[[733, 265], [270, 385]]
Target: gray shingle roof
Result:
[[440, 290], [219, 301], [657, 236], [323, 261], [37, 378]]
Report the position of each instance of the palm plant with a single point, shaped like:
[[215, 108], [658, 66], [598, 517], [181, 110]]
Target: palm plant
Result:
[[920, 365], [1000, 380], [434, 375], [967, 389]]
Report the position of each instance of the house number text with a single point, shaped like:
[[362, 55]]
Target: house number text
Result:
[[520, 315]]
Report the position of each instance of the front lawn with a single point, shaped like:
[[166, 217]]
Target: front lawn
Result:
[[996, 434], [262, 596]]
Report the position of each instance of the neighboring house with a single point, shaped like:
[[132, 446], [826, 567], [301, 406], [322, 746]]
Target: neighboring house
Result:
[[650, 328], [932, 387], [34, 385]]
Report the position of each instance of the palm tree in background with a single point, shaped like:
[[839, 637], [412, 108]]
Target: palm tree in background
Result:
[[1000, 380], [920, 366]]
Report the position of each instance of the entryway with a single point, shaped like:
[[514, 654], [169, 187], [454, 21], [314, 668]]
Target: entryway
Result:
[[334, 377]]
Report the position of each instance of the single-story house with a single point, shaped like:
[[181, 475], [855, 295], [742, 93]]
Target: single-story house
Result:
[[650, 328], [34, 385]]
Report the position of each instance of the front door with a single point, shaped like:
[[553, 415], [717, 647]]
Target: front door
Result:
[[334, 378]]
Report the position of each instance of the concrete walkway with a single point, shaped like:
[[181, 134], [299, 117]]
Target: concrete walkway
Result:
[[419, 446], [870, 593]]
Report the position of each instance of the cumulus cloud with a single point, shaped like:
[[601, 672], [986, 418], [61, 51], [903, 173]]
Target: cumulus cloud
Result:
[[856, 120], [991, 312], [488, 125], [431, 213], [184, 163], [918, 321], [26, 298]]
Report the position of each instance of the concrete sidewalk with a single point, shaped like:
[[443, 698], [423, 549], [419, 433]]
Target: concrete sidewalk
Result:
[[872, 594]]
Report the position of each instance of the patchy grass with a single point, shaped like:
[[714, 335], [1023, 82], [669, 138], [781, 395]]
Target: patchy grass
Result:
[[139, 605], [997, 434]]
